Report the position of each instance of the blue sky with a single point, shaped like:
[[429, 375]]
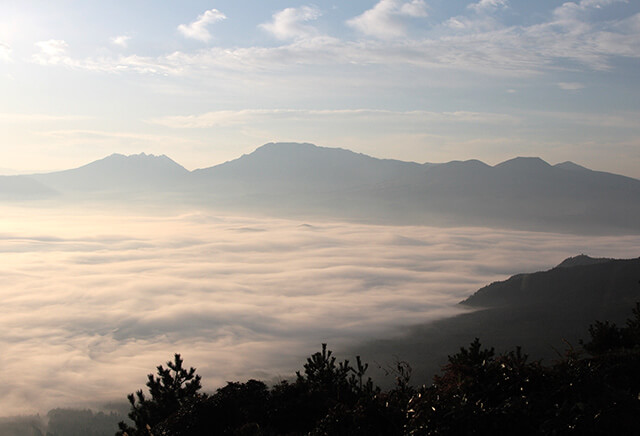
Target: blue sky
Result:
[[421, 80]]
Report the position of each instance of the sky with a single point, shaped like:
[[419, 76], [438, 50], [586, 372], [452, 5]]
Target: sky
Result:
[[419, 80]]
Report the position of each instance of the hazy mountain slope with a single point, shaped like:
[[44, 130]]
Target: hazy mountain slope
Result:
[[534, 194], [526, 193], [588, 282], [285, 168], [119, 173], [538, 311], [23, 188], [303, 180], [306, 180]]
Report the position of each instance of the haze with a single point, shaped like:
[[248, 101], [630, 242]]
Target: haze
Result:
[[92, 302]]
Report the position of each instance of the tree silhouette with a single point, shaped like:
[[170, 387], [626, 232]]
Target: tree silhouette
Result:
[[173, 388]]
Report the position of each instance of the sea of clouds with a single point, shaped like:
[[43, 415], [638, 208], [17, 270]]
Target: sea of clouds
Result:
[[91, 303]]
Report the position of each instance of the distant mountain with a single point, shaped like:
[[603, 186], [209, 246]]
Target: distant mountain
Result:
[[534, 194], [23, 188], [293, 167], [528, 193], [304, 180], [118, 173], [293, 179], [544, 312]]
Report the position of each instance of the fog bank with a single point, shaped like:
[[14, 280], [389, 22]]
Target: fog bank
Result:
[[92, 303]]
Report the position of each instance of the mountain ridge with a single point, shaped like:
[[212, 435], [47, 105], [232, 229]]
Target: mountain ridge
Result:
[[545, 312], [304, 180], [567, 165], [551, 284]]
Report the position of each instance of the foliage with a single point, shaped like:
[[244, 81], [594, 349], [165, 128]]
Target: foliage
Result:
[[478, 392], [607, 337], [68, 422], [174, 388]]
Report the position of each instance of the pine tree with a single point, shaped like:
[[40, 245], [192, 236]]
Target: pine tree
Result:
[[171, 389]]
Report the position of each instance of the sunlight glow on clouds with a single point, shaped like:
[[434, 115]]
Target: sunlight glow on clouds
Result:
[[488, 49], [52, 52], [222, 118], [397, 56], [198, 29], [86, 295], [5, 52]]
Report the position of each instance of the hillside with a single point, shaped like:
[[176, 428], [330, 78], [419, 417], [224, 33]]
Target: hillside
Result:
[[544, 312]]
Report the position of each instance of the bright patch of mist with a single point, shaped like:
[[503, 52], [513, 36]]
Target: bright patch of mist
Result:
[[92, 303]]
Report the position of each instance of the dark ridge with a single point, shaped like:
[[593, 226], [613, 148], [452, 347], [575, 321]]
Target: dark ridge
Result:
[[545, 312], [580, 260]]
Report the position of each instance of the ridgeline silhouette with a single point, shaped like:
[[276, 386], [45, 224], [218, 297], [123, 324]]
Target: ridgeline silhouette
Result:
[[303, 180]]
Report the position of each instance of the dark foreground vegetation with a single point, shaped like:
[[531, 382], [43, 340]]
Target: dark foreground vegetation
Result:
[[590, 392]]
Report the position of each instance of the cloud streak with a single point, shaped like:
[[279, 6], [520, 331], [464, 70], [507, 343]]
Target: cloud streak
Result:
[[52, 52], [198, 29], [290, 23], [248, 116], [384, 20], [484, 5], [5, 52], [93, 302]]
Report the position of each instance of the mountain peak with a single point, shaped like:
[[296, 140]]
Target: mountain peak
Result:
[[581, 260], [286, 145], [134, 160], [142, 155], [570, 166], [299, 148], [118, 172], [521, 163]]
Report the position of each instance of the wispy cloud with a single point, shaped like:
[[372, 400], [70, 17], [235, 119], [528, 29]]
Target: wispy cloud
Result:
[[29, 118], [106, 134], [52, 52], [5, 52], [290, 23], [199, 28], [121, 40], [227, 117], [484, 5], [570, 86], [478, 43], [384, 20]]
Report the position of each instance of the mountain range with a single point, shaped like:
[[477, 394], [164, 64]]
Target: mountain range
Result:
[[545, 312], [304, 180]]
